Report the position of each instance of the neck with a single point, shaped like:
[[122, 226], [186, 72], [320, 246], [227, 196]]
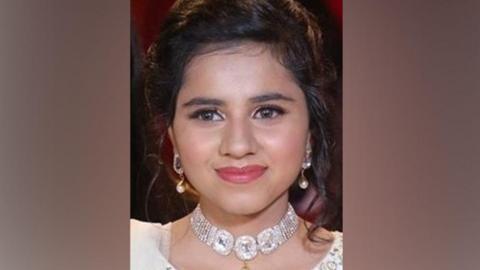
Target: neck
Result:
[[245, 222]]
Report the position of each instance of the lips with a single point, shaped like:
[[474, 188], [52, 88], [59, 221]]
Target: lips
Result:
[[241, 175]]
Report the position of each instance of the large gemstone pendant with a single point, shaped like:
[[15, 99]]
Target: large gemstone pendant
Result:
[[245, 248], [223, 242]]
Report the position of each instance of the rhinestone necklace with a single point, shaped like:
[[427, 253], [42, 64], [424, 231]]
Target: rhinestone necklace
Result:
[[246, 247]]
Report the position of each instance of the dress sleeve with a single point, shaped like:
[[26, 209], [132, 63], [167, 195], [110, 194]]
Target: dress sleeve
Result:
[[334, 258], [149, 245]]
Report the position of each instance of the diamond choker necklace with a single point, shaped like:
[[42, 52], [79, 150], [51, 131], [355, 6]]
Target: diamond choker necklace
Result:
[[246, 247]]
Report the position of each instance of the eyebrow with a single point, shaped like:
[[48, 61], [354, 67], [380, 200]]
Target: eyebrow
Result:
[[218, 102], [270, 97], [204, 101]]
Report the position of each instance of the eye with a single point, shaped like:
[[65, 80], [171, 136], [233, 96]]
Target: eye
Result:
[[268, 112], [207, 115]]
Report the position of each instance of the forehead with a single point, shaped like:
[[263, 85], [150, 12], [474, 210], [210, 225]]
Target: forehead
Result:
[[245, 70]]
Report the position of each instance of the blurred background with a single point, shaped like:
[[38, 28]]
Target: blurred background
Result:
[[411, 133]]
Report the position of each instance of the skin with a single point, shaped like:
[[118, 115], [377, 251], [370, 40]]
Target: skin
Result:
[[239, 106]]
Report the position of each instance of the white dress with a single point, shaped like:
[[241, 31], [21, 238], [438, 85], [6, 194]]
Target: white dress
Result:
[[150, 245]]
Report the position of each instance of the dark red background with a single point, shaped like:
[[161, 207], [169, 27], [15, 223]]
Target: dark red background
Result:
[[147, 16]]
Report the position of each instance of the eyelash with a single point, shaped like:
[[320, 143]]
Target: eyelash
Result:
[[201, 113], [208, 114], [276, 110]]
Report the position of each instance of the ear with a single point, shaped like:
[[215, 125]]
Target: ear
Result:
[[171, 136], [309, 141]]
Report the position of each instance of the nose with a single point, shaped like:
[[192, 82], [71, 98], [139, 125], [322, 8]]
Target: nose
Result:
[[238, 139]]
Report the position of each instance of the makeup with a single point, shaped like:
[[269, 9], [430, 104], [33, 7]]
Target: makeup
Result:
[[241, 175]]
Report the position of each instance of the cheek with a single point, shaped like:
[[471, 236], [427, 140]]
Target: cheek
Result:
[[196, 147], [285, 148]]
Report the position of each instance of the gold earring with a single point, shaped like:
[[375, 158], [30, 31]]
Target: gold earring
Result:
[[177, 167], [181, 185]]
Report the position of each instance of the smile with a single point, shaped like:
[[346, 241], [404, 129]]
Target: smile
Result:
[[242, 175]]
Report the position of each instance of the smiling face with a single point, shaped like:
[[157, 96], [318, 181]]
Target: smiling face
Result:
[[240, 128]]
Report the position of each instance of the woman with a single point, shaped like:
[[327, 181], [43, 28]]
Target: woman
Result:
[[241, 86]]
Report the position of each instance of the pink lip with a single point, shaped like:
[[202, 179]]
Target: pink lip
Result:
[[241, 175]]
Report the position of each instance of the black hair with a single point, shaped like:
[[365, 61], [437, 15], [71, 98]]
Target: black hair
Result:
[[285, 27]]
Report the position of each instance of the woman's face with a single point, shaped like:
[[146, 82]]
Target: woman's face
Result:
[[240, 128]]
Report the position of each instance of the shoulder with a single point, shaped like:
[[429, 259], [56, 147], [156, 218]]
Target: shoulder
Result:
[[334, 257], [146, 232], [149, 244]]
